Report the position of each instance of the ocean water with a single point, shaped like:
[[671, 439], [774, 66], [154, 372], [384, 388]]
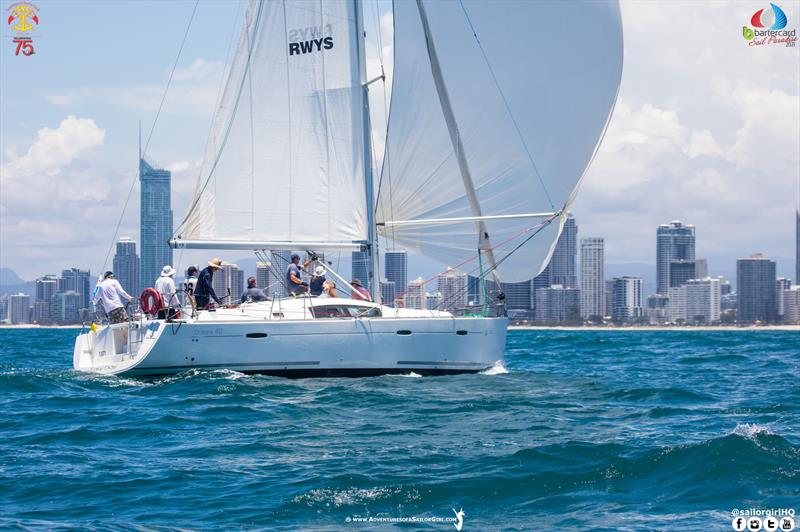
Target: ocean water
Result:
[[610, 430]]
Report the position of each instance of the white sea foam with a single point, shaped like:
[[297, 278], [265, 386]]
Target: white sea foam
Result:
[[498, 369], [750, 431]]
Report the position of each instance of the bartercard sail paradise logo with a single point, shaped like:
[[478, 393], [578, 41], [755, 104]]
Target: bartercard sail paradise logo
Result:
[[768, 27], [23, 18]]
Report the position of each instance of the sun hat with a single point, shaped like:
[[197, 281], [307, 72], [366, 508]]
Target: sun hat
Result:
[[168, 271], [319, 271], [216, 263], [355, 282]]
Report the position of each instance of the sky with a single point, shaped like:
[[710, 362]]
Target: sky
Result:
[[706, 128]]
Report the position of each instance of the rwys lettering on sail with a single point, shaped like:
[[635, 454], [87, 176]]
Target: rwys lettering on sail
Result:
[[310, 39]]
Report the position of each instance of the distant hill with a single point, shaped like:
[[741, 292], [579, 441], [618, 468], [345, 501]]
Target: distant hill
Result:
[[9, 277]]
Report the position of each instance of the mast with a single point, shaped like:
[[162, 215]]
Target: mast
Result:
[[484, 244], [372, 241]]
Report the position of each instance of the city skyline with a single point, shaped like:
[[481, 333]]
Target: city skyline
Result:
[[664, 156]]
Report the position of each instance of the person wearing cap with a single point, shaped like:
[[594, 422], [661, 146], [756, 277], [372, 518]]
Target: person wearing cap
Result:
[[253, 293], [111, 294], [317, 281], [359, 292], [294, 281], [165, 285], [204, 291]]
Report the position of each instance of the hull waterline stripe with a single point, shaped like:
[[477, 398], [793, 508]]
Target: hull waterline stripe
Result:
[[198, 366], [439, 363]]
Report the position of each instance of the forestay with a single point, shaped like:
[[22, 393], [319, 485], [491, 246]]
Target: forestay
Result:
[[285, 158], [530, 116]]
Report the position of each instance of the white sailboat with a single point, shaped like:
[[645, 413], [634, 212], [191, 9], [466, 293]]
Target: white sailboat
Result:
[[497, 109]]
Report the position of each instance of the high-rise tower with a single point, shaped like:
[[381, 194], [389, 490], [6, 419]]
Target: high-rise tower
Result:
[[593, 290], [155, 222], [674, 241]]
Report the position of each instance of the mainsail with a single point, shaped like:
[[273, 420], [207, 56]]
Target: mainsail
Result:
[[285, 157], [530, 89]]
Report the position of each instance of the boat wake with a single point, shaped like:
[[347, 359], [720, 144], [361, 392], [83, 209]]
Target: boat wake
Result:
[[499, 368]]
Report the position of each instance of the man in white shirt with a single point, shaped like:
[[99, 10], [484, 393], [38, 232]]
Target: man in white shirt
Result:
[[110, 292], [165, 285]]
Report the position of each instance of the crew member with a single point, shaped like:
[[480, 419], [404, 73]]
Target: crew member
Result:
[[110, 292], [359, 292], [165, 285], [204, 291], [253, 293]]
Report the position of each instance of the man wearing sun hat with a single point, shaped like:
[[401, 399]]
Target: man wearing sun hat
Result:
[[165, 285], [204, 291]]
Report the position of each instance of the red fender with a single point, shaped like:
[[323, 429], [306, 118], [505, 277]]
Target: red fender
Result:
[[150, 301]]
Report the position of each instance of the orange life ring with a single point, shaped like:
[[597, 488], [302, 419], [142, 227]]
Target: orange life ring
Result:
[[150, 301]]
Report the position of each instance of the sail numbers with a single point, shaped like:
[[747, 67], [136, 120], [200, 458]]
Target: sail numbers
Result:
[[311, 39]]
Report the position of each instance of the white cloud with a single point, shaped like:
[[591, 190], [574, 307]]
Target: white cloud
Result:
[[54, 148], [194, 90], [57, 208]]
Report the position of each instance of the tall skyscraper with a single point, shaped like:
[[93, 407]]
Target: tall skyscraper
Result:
[[627, 298], [562, 263], [681, 271], [557, 304], [126, 265], [155, 222], [77, 280], [452, 285], [791, 305], [674, 241], [229, 283], [755, 289], [65, 307], [262, 276], [519, 299], [277, 273], [415, 294], [359, 267], [387, 292], [593, 298], [696, 301], [46, 288], [19, 309], [781, 284], [396, 268]]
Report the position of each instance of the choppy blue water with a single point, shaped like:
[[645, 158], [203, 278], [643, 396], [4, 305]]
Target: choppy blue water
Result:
[[587, 430]]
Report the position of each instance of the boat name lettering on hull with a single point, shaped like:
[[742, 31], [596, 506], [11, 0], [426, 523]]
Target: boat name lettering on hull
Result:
[[311, 39]]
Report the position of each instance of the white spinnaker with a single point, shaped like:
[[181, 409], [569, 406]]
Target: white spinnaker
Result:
[[558, 67], [285, 158]]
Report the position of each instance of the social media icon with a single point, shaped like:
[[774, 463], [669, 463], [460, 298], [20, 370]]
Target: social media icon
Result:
[[753, 523], [787, 524], [770, 524], [739, 523]]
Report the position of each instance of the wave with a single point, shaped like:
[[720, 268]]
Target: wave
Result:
[[499, 368]]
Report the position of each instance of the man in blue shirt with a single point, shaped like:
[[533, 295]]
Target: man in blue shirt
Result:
[[294, 281], [253, 293]]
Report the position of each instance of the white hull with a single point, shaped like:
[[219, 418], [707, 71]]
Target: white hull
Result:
[[429, 345]]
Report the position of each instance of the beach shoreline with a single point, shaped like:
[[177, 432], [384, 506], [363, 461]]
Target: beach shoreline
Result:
[[702, 328]]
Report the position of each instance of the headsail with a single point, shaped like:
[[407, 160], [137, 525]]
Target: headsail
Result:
[[530, 114], [285, 158]]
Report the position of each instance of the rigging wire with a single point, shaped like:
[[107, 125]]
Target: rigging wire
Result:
[[505, 102], [150, 135]]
